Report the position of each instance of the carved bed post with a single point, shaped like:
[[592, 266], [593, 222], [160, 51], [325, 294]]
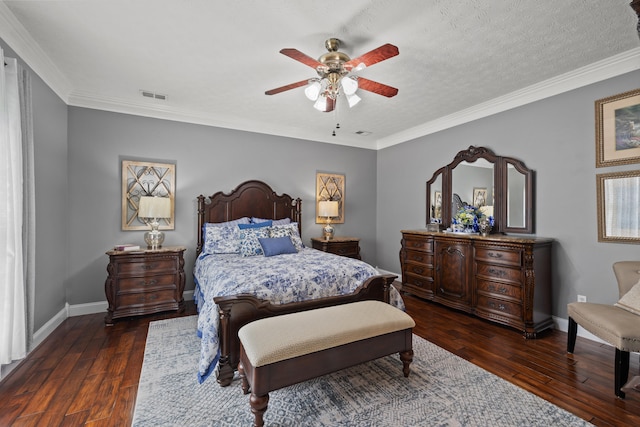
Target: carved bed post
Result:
[[225, 373]]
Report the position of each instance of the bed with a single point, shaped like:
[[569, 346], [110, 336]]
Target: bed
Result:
[[233, 290]]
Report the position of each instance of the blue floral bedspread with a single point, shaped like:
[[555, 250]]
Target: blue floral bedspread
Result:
[[306, 275]]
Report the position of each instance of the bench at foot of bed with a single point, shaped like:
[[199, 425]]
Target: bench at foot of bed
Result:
[[280, 351], [237, 310]]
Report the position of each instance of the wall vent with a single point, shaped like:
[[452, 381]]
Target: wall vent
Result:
[[149, 94]]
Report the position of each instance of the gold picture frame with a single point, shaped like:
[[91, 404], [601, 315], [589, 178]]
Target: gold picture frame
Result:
[[619, 207], [146, 179], [618, 129], [330, 186]]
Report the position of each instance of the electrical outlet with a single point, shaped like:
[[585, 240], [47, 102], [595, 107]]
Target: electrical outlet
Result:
[[582, 298]]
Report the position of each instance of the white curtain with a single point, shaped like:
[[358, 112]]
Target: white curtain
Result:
[[14, 321]]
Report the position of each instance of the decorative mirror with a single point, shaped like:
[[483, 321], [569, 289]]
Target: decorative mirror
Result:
[[501, 187]]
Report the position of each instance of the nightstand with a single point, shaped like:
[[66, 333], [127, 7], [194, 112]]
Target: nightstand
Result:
[[145, 281], [345, 246]]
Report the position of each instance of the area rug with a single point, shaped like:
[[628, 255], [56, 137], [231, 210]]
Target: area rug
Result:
[[442, 390]]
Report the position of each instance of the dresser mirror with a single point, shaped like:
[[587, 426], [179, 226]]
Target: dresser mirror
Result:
[[501, 187]]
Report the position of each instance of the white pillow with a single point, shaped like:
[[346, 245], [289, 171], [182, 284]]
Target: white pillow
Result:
[[631, 300]]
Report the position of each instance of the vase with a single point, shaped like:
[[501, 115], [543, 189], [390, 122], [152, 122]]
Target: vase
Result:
[[485, 228]]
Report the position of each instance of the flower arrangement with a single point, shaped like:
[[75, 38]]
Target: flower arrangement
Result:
[[469, 218]]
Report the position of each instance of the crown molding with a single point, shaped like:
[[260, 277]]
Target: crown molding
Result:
[[617, 65], [17, 37]]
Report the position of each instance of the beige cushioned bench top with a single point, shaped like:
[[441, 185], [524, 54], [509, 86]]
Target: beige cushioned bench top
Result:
[[278, 338]]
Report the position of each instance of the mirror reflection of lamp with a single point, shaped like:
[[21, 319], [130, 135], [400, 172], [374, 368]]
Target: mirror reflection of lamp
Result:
[[150, 210], [328, 209]]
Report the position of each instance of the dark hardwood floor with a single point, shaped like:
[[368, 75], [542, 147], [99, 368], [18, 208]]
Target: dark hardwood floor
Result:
[[87, 374]]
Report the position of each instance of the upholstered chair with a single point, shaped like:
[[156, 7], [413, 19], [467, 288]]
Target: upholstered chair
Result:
[[617, 324]]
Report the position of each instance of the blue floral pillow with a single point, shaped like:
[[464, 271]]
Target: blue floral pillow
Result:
[[290, 230], [221, 239], [249, 243]]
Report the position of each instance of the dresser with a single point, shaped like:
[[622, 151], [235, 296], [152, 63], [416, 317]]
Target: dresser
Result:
[[345, 246], [504, 279], [144, 282]]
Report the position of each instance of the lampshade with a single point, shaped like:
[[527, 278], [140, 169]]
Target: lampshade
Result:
[[349, 85], [312, 91], [328, 208], [154, 207], [352, 99]]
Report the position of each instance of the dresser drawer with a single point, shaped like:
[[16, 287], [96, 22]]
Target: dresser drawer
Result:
[[495, 305], [499, 289], [418, 243], [419, 281], [497, 272], [499, 256], [146, 299], [147, 283], [145, 266], [418, 257], [419, 269]]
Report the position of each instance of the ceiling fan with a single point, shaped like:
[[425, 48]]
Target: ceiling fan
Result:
[[336, 75]]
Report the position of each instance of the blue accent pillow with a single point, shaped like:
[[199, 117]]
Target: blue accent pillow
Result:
[[255, 225], [277, 246], [282, 221]]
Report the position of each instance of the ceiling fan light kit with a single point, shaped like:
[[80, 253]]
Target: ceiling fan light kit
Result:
[[335, 75]]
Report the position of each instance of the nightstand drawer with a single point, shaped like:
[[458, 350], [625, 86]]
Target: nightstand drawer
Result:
[[147, 283], [146, 299], [343, 246], [151, 265]]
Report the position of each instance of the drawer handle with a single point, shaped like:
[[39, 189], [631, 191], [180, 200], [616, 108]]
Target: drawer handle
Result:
[[501, 289], [495, 255], [151, 282], [147, 267], [500, 273], [418, 258], [500, 307], [417, 270]]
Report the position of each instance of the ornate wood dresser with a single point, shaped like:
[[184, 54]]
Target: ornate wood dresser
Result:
[[505, 279]]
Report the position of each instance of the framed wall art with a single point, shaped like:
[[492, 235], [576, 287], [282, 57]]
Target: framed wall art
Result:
[[619, 207], [146, 179], [618, 129], [479, 197], [330, 186]]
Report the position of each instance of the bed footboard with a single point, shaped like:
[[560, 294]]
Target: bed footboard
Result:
[[237, 310]]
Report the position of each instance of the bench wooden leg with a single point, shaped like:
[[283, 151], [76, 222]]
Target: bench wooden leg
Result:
[[246, 388], [406, 357], [258, 407]]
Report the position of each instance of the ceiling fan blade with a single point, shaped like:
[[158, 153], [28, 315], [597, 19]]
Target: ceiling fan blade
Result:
[[373, 57], [301, 57], [375, 87], [287, 87]]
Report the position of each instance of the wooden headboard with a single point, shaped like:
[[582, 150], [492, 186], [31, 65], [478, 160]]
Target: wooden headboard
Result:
[[251, 199]]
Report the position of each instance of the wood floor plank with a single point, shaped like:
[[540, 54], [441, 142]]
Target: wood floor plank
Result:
[[100, 367]]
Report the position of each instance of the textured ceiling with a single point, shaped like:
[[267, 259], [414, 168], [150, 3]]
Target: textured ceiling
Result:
[[214, 60]]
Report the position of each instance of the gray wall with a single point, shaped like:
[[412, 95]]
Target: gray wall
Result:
[[556, 138], [50, 161], [207, 160]]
